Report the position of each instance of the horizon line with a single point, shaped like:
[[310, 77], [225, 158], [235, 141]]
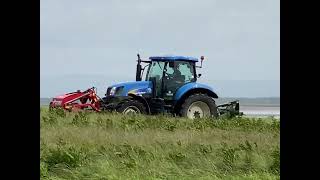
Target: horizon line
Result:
[[216, 98]]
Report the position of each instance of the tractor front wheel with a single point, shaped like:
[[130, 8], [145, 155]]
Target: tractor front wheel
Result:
[[199, 106], [132, 107]]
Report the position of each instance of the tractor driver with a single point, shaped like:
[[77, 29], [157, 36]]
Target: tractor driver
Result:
[[173, 73], [177, 76], [174, 77]]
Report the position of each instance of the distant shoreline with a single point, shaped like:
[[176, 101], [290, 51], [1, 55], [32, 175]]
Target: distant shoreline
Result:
[[260, 105], [244, 102]]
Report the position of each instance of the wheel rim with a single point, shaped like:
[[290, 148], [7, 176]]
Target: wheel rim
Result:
[[198, 109], [131, 110]]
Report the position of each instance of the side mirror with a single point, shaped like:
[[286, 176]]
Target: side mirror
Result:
[[202, 58], [199, 75]]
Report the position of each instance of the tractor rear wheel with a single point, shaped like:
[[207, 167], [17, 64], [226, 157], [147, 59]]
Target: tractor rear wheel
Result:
[[132, 107], [199, 106]]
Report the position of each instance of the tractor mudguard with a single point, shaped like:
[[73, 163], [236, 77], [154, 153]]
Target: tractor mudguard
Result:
[[192, 87], [141, 99]]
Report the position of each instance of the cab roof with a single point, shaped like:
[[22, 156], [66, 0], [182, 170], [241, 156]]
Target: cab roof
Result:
[[173, 58]]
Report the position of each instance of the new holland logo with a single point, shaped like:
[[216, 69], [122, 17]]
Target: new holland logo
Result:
[[140, 91]]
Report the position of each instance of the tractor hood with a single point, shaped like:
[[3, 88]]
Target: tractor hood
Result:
[[136, 87]]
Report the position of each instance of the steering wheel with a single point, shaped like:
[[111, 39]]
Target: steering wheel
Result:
[[168, 76]]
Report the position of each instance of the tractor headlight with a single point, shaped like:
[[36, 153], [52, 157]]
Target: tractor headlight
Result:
[[114, 91]]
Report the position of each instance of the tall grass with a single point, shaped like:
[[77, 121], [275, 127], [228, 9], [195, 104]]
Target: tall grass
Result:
[[114, 146]]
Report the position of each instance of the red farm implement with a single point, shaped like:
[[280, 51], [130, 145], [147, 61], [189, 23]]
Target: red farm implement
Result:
[[75, 101]]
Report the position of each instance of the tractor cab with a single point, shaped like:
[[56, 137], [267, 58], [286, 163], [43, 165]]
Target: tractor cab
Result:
[[168, 73]]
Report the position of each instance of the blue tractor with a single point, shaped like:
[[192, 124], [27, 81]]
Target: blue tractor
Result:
[[169, 86]]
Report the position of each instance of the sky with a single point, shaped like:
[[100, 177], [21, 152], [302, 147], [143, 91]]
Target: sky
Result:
[[94, 43]]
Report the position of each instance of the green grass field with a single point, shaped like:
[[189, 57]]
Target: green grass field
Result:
[[114, 146]]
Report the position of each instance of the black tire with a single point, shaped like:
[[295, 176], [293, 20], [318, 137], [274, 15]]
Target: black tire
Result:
[[202, 99], [133, 105]]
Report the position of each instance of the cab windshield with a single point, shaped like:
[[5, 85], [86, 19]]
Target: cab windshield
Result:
[[181, 69], [155, 70]]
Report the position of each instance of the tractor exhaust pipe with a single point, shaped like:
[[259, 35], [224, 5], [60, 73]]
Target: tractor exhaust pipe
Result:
[[139, 68]]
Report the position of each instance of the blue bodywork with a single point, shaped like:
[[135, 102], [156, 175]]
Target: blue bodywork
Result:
[[145, 87], [136, 87], [187, 87], [173, 58]]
